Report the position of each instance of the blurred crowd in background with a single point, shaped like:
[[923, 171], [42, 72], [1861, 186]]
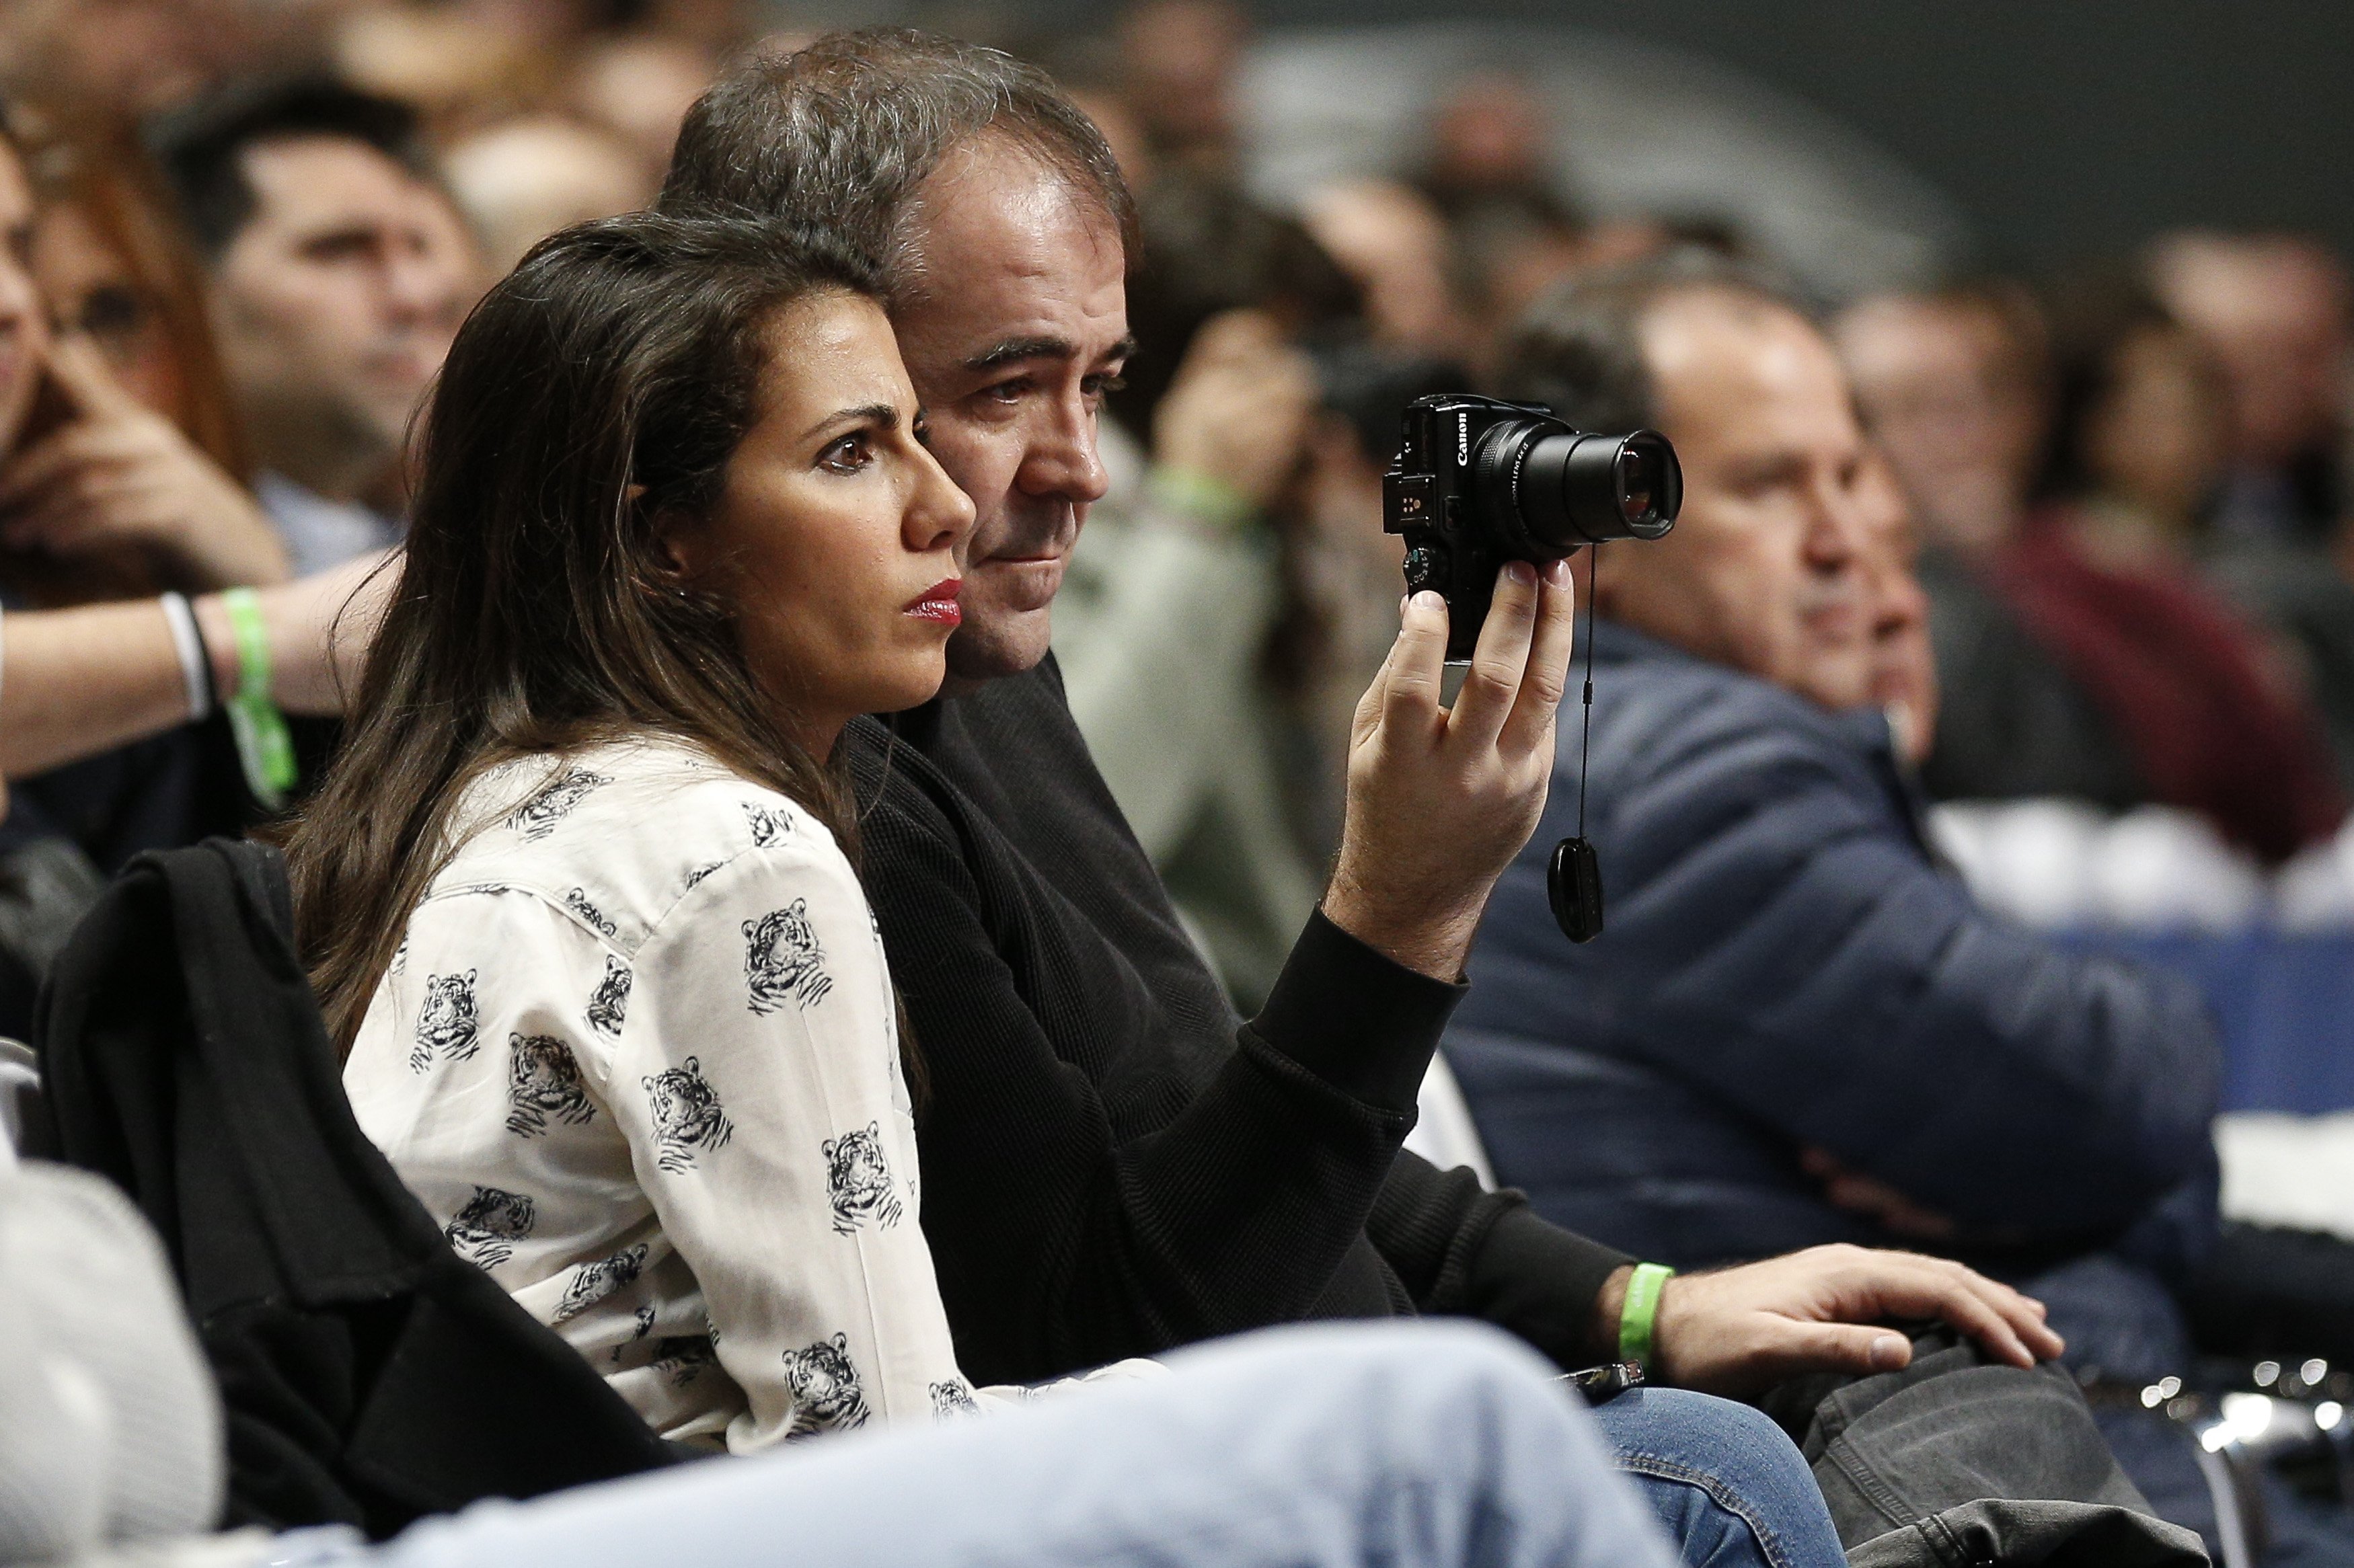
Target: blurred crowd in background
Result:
[[252, 227]]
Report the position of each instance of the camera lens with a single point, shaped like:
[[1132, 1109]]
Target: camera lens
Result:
[[1547, 489], [1638, 481]]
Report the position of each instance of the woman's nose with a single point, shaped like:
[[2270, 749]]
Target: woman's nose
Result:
[[939, 515]]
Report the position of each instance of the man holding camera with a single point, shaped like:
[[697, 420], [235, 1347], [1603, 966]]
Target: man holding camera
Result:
[[1114, 1164]]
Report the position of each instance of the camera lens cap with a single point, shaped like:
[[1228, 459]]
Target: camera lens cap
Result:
[[1573, 887]]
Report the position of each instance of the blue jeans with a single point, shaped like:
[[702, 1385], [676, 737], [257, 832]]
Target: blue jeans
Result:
[[1728, 1485], [1422, 1445]]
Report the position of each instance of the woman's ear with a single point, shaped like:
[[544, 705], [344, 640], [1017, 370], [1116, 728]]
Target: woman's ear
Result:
[[678, 542]]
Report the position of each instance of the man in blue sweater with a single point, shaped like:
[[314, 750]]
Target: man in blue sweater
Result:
[[1798, 1027]]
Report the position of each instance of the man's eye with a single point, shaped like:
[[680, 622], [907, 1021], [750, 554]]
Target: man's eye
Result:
[[1007, 391], [922, 430], [847, 455], [338, 247], [1105, 385]]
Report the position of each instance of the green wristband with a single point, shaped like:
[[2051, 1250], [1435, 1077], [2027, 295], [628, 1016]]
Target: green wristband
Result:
[[1203, 497], [263, 747], [1641, 1307]]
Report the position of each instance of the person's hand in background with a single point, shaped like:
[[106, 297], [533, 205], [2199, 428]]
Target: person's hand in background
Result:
[[115, 472], [1237, 413]]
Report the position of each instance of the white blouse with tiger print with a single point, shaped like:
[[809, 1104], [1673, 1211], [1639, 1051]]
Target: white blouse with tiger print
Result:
[[638, 1053]]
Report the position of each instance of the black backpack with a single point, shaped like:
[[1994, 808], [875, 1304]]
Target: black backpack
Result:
[[370, 1375]]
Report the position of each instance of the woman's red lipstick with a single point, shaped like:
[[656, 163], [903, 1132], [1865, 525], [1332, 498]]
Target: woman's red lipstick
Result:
[[938, 602]]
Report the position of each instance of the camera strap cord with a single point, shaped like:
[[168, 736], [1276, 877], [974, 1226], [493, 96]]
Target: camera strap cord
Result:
[[1586, 733], [1573, 878]]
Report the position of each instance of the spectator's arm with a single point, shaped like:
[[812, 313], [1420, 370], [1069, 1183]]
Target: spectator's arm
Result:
[[1234, 1213], [1159, 649], [1160, 629], [75, 682], [1464, 1252]]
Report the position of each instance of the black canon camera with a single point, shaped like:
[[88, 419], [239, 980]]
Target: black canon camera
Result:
[[1479, 482]]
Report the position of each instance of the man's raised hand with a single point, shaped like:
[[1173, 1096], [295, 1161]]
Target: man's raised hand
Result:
[[1441, 799]]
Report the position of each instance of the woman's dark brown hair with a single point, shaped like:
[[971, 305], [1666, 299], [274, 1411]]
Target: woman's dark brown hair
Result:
[[594, 397]]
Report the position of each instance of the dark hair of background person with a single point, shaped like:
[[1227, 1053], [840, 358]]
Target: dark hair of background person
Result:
[[2023, 353], [200, 148], [105, 175], [595, 394], [1580, 349], [2092, 315], [1204, 248], [845, 132]]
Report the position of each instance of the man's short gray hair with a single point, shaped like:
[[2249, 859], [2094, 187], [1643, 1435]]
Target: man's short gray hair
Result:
[[842, 135], [1580, 349]]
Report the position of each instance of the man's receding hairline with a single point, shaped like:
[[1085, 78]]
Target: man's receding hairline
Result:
[[960, 155], [1747, 305]]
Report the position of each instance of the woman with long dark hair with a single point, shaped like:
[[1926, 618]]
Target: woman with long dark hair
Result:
[[577, 895]]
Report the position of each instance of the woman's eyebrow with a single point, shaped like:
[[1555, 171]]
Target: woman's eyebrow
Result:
[[882, 415]]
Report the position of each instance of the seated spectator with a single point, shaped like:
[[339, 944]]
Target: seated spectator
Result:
[[2274, 311], [98, 740], [636, 87], [2081, 656], [159, 475], [522, 180], [1903, 685], [2105, 577], [1953, 388], [1188, 567], [1516, 226], [1389, 239], [337, 269], [1796, 1029], [677, 525], [1178, 60]]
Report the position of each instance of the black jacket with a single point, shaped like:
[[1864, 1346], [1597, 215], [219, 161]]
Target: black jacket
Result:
[[1113, 1163], [370, 1374]]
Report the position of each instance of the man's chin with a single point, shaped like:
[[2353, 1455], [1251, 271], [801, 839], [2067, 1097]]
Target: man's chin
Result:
[[990, 646]]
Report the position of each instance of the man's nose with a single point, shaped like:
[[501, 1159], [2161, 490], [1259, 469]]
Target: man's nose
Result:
[[419, 280], [1062, 460], [1837, 534]]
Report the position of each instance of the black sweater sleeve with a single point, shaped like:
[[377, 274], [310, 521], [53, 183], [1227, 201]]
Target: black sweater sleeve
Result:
[[1464, 1252], [1068, 1229]]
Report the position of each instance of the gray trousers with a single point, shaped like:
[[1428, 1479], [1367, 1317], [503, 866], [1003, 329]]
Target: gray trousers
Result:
[[1955, 1462]]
